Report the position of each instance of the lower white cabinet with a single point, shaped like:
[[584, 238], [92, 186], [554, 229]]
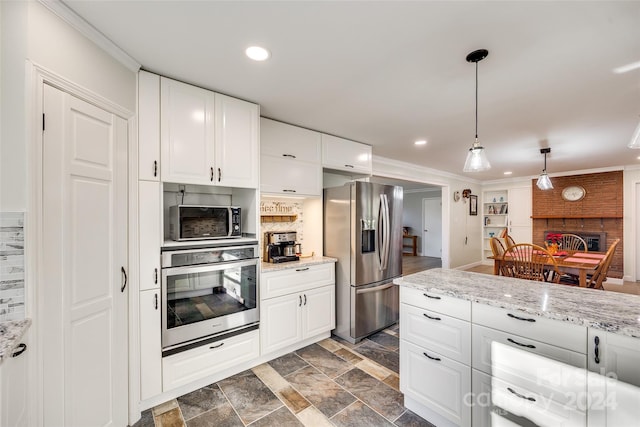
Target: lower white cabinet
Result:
[[13, 387], [295, 304], [192, 365], [289, 319], [150, 344]]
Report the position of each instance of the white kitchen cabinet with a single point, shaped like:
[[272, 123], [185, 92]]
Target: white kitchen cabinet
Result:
[[150, 233], [345, 155], [236, 142], [187, 133], [296, 304], [290, 159], [13, 387], [148, 126], [520, 209], [614, 379], [150, 344]]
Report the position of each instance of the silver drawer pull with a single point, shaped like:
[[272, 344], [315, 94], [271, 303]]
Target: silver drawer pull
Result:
[[432, 297], [521, 396], [437, 359], [429, 317], [216, 346], [513, 316], [521, 345]]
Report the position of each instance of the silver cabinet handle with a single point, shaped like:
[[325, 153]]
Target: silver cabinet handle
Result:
[[124, 279]]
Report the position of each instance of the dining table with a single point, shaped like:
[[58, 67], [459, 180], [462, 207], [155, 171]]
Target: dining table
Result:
[[569, 262]]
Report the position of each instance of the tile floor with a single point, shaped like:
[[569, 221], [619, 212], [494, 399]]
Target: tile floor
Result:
[[331, 383]]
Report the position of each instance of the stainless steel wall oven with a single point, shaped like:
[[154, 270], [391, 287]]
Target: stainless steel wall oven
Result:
[[207, 293]]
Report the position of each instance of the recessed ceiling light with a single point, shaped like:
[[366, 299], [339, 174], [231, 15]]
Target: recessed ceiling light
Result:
[[421, 142], [627, 68], [638, 157], [507, 173], [257, 53]]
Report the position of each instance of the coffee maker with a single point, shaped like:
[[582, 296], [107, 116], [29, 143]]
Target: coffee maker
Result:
[[280, 246]]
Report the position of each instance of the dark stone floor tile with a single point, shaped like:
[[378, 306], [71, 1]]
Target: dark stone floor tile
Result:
[[373, 392], [344, 342], [387, 358], [201, 400], [287, 364], [281, 418], [390, 342], [222, 416], [146, 420], [171, 418], [327, 396], [394, 328], [327, 362], [409, 419], [359, 415], [250, 397]]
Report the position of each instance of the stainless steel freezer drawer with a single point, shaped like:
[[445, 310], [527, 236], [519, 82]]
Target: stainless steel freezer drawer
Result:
[[374, 307]]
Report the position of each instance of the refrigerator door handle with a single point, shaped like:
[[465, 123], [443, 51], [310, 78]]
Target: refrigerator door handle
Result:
[[376, 289], [384, 201]]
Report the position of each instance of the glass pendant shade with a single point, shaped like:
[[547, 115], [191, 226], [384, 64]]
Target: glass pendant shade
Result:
[[544, 183], [635, 139], [476, 159]]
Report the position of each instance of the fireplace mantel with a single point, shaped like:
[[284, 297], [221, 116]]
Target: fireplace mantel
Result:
[[575, 216]]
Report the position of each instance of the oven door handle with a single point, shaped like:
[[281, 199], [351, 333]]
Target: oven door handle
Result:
[[166, 255], [193, 269]]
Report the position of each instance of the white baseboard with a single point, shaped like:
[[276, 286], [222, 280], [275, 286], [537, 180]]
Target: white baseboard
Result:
[[614, 281], [468, 266]]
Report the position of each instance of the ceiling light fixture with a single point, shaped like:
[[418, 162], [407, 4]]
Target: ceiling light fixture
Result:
[[507, 173], [635, 139], [421, 142], [257, 53], [544, 183], [476, 158]]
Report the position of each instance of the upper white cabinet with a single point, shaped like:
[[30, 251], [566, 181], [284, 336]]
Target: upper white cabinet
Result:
[[236, 142], [148, 126], [207, 138], [345, 155], [289, 159]]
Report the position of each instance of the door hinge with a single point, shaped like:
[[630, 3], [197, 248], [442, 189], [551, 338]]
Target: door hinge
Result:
[[43, 122]]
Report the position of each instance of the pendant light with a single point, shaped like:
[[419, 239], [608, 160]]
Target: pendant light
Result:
[[476, 157], [544, 183], [635, 139]]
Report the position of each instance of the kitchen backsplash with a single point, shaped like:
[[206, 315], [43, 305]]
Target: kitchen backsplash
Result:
[[12, 265], [282, 215]]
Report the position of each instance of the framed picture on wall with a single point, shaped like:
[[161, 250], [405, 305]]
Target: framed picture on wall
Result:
[[473, 205]]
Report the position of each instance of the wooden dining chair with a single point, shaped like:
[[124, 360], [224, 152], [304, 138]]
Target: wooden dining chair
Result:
[[600, 275], [532, 262], [572, 242], [497, 248], [509, 240]]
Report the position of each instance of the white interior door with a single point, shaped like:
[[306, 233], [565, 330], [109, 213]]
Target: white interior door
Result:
[[83, 308], [432, 227]]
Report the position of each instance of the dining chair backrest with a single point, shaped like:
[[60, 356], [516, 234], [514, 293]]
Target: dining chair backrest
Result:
[[600, 275], [572, 242], [496, 247], [509, 241], [532, 262]]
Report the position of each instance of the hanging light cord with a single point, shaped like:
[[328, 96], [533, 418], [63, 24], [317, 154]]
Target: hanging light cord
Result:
[[545, 163], [476, 101]]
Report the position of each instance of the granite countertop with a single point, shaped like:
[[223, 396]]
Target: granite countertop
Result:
[[610, 311], [11, 332], [304, 262]]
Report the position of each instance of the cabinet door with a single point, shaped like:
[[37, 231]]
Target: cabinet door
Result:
[[148, 126], [281, 175], [186, 133], [520, 209], [282, 140], [342, 154], [448, 383], [13, 388], [318, 311], [236, 143], [149, 210], [280, 323], [150, 344]]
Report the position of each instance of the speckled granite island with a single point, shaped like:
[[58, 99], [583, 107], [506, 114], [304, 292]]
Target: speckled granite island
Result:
[[11, 332], [481, 350]]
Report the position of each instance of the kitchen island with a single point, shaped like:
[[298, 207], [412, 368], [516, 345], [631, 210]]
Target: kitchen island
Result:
[[475, 347]]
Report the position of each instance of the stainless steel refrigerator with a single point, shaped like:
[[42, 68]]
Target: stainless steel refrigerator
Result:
[[363, 230]]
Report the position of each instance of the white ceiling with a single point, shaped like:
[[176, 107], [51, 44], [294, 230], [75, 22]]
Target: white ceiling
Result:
[[390, 72]]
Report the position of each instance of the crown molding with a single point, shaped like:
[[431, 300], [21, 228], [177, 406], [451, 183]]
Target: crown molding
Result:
[[413, 172], [63, 11]]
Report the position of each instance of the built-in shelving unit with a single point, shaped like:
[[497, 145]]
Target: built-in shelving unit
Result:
[[495, 216]]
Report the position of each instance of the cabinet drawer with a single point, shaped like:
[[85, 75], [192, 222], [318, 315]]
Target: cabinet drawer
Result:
[[283, 282], [437, 382], [437, 332], [554, 332], [450, 306], [195, 364], [552, 372], [539, 410]]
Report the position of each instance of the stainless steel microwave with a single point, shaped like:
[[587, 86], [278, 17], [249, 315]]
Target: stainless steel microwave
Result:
[[192, 222]]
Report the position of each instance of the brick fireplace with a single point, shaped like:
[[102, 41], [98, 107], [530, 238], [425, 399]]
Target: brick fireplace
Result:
[[599, 215]]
